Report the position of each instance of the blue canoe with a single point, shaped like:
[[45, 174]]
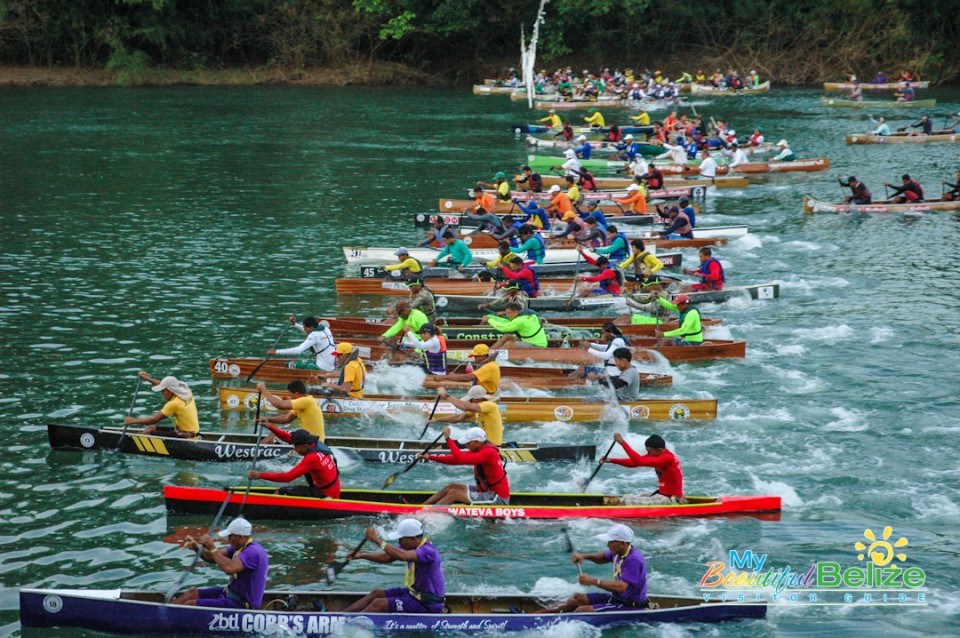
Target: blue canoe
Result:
[[298, 613]]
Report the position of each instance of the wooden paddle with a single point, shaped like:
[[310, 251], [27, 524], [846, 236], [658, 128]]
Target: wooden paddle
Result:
[[583, 486], [432, 412], [568, 546], [576, 271], [335, 567], [267, 358], [216, 520], [133, 404], [393, 477], [256, 451]]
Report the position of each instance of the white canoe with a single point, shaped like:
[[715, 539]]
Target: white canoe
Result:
[[704, 89]]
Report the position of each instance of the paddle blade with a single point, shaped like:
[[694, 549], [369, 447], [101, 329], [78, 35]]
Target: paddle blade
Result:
[[390, 480]]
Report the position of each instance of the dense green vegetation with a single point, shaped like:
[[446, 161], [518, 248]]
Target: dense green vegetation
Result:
[[786, 40]]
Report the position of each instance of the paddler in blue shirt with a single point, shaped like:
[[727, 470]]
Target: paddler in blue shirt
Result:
[[625, 591], [882, 128], [536, 216], [584, 151]]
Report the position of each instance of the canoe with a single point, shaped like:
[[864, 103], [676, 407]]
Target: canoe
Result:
[[611, 147], [709, 89], [612, 210], [878, 104], [545, 162], [805, 166], [512, 409], [902, 138], [482, 241], [231, 446], [383, 254], [608, 102], [276, 370], [369, 271], [519, 129], [295, 613], [262, 503], [623, 182], [867, 86], [811, 205], [488, 89]]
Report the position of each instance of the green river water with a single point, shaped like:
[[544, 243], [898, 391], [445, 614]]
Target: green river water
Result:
[[155, 229]]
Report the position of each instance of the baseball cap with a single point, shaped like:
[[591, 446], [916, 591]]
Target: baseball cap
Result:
[[554, 189], [629, 136], [500, 175], [480, 350], [344, 348], [782, 143], [428, 327], [681, 299], [407, 528], [401, 251], [415, 281], [175, 385], [237, 527], [473, 434], [302, 437], [633, 187], [581, 138], [512, 285], [570, 153], [618, 532], [476, 392]]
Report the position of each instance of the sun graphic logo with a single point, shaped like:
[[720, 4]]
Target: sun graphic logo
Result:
[[881, 552]]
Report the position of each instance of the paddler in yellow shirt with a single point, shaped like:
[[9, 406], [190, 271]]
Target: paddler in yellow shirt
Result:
[[596, 119], [477, 405], [501, 185], [486, 375], [300, 405], [353, 373], [553, 120], [180, 408], [408, 266], [641, 119]]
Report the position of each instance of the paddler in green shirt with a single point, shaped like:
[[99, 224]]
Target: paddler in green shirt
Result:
[[521, 328], [690, 332], [460, 255], [406, 316]]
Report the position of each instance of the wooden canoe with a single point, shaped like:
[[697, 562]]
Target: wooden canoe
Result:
[[512, 409], [623, 182], [449, 287], [297, 613], [519, 129], [805, 166], [878, 104], [614, 210], [385, 254], [869, 86], [902, 138], [370, 271], [712, 91], [225, 447], [611, 147], [546, 162], [262, 503], [811, 205], [483, 240]]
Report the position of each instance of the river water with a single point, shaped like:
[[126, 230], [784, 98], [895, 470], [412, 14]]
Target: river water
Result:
[[155, 229]]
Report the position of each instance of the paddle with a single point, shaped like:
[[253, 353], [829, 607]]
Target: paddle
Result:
[[432, 412], [267, 358], [584, 485], [393, 477], [576, 272], [133, 404], [256, 451], [216, 520], [568, 546], [335, 567]]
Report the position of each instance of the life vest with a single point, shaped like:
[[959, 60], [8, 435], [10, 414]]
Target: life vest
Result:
[[588, 182], [437, 361], [530, 318], [537, 254], [620, 253], [638, 262], [706, 268], [690, 336], [614, 134], [530, 287], [322, 449], [487, 483]]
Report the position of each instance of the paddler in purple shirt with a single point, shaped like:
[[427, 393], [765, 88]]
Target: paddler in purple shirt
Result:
[[625, 591], [424, 587], [244, 560]]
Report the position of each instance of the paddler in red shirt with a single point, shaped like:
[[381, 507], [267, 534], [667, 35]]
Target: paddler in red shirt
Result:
[[667, 466], [492, 486], [318, 466]]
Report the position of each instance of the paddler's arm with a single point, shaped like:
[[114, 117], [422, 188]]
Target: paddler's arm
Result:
[[210, 554], [606, 584], [465, 406], [688, 326], [389, 554], [599, 558], [275, 401], [146, 420], [146, 377]]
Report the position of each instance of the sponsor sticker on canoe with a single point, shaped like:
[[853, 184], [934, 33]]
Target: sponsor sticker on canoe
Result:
[[563, 413], [880, 576], [488, 512], [679, 412]]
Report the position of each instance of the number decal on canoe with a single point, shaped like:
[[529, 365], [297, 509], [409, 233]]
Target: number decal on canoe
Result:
[[221, 367], [448, 204], [420, 217], [765, 292]]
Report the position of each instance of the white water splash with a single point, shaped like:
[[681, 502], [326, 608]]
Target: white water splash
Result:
[[847, 420], [785, 492]]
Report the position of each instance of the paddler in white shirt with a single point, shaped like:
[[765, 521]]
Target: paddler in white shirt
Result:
[[319, 341], [736, 155], [708, 166]]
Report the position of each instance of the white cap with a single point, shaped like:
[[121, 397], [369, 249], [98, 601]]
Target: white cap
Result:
[[401, 251], [476, 392], [407, 528], [782, 143], [237, 527], [570, 153], [473, 434], [633, 187], [629, 136], [582, 138], [176, 386], [552, 111], [618, 532], [554, 189], [636, 86]]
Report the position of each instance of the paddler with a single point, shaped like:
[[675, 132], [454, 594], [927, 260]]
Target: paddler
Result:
[[640, 259], [519, 272], [318, 466], [500, 185], [431, 344], [924, 126], [530, 181], [319, 342], [636, 200], [536, 216], [909, 191], [618, 245], [486, 220], [478, 406], [622, 376], [180, 408], [612, 340], [421, 298], [653, 178], [244, 560], [690, 331], [300, 405], [584, 151], [435, 235], [406, 314], [570, 167], [625, 591], [953, 194], [521, 328], [491, 487], [679, 226], [595, 119], [642, 118], [486, 374], [481, 199], [457, 253], [628, 150], [785, 154], [737, 156], [424, 586], [608, 279], [552, 120], [882, 129], [532, 243], [560, 204], [408, 266], [667, 466], [710, 272], [859, 194], [510, 292], [353, 373]]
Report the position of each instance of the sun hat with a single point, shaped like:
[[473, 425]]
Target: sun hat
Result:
[[175, 385], [237, 527], [618, 532], [473, 434], [480, 350], [407, 528], [477, 392]]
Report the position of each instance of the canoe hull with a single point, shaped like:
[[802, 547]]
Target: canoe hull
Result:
[[264, 504], [878, 104], [143, 613], [896, 138], [519, 129], [377, 254], [802, 166], [811, 205], [866, 86], [623, 182], [369, 271], [712, 91]]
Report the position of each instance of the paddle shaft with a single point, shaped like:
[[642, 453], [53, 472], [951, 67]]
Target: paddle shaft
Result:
[[267, 358], [133, 404], [256, 452], [335, 567], [576, 271], [432, 412], [599, 465], [216, 520], [393, 477], [568, 545]]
